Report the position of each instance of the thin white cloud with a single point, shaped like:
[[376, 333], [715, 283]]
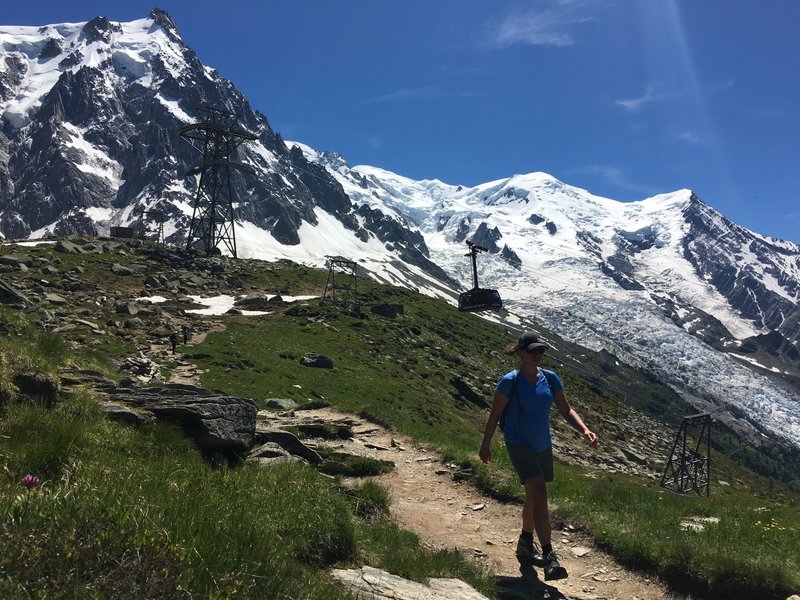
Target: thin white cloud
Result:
[[551, 26], [617, 177], [635, 104], [421, 93], [689, 137], [403, 94]]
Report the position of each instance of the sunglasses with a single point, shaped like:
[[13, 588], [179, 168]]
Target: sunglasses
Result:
[[535, 351]]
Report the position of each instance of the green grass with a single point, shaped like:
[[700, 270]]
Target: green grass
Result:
[[119, 508], [123, 512], [401, 372], [752, 552]]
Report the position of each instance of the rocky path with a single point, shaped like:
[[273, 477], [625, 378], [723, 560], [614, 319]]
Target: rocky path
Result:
[[446, 513]]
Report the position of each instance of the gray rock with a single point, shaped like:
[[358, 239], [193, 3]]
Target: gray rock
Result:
[[254, 301], [134, 323], [268, 450], [368, 583], [93, 326], [280, 404], [216, 423], [119, 269], [55, 299], [16, 260], [312, 359], [288, 442], [277, 460], [123, 414], [68, 247], [11, 295]]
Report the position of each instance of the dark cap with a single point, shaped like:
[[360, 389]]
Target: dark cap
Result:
[[529, 340]]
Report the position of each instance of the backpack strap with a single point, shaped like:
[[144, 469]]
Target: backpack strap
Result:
[[548, 375], [511, 394]]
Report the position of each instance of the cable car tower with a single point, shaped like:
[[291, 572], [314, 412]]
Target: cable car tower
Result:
[[688, 469], [478, 298], [216, 138]]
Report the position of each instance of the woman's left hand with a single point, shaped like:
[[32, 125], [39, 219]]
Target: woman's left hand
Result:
[[591, 437]]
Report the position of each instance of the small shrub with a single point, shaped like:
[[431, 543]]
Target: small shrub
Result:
[[370, 500]]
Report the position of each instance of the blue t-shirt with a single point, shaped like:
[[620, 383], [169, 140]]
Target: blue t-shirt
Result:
[[527, 418]]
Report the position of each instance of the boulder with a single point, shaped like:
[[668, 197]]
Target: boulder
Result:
[[254, 301], [288, 442], [280, 404], [224, 424], [312, 359], [11, 295], [123, 414], [55, 299], [369, 583], [119, 269], [16, 260], [68, 247]]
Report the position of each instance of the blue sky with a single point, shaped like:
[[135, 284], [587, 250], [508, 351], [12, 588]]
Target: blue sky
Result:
[[626, 98]]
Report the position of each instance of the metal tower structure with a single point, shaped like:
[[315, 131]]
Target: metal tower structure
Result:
[[148, 218], [688, 470], [339, 292], [216, 137]]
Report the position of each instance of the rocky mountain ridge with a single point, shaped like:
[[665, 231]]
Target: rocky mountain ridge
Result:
[[89, 115]]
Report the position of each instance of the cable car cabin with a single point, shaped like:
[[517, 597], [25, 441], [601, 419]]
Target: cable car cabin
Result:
[[478, 299]]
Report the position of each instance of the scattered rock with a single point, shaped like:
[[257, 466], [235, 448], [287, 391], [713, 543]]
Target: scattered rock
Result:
[[280, 404], [312, 359], [579, 551], [368, 583], [55, 299], [68, 247], [123, 414], [288, 442], [216, 423], [119, 269]]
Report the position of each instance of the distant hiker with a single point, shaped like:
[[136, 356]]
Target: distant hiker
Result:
[[173, 339], [185, 334], [521, 406]]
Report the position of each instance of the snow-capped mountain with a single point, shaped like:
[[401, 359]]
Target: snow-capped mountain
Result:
[[89, 115], [667, 284], [89, 120]]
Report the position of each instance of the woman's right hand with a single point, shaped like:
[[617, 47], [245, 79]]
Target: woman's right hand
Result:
[[485, 454]]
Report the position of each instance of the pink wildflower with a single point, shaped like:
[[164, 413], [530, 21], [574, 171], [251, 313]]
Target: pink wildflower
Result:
[[29, 481]]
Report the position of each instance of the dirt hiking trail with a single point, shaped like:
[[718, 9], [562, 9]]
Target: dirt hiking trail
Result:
[[446, 513]]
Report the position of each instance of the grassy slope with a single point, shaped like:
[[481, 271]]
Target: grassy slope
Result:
[[403, 371]]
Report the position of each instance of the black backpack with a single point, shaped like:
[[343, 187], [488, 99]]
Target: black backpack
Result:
[[548, 375]]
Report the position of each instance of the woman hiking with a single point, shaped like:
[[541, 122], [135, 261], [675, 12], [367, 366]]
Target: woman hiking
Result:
[[522, 401]]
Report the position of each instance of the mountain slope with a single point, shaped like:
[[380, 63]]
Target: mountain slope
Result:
[[667, 284], [88, 140]]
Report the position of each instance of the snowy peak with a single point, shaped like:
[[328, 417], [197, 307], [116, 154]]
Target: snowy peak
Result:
[[666, 283], [33, 59]]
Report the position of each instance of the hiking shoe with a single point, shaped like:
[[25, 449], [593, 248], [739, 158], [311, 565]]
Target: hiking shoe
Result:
[[528, 553], [552, 568]]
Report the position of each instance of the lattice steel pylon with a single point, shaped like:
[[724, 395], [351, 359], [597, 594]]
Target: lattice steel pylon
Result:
[[216, 138], [147, 218], [339, 292], [688, 470]]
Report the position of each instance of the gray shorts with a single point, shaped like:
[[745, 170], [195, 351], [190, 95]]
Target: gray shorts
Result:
[[529, 463]]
